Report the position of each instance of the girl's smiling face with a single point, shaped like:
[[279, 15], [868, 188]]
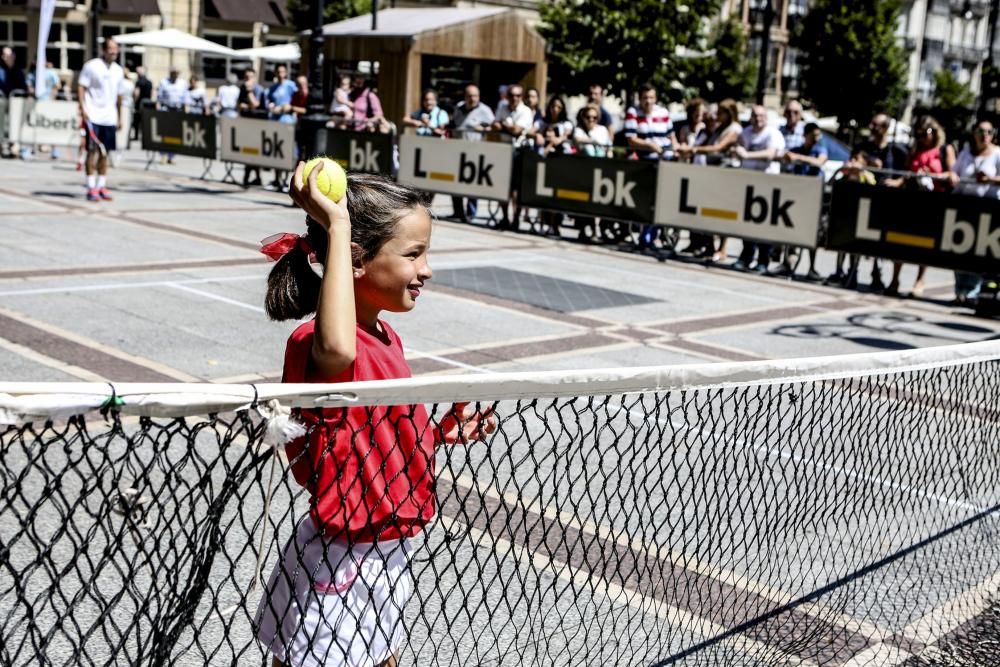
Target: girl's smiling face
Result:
[[393, 278]]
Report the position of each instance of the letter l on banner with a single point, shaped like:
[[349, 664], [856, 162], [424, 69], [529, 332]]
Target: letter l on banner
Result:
[[44, 24]]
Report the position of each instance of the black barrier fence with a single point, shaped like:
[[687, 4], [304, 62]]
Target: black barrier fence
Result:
[[367, 152], [946, 230], [613, 188], [949, 230], [180, 133]]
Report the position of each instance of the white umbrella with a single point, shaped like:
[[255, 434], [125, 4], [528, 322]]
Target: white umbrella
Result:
[[171, 38], [277, 53]]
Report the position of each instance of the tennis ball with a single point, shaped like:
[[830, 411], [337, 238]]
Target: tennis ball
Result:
[[331, 181]]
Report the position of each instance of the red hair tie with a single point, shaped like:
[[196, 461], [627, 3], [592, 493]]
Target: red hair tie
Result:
[[277, 246]]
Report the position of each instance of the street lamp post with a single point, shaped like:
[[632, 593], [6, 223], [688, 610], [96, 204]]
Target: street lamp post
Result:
[[988, 75], [765, 48], [314, 122]]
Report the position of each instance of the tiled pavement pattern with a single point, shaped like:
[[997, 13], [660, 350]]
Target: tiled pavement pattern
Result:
[[562, 296], [165, 284]]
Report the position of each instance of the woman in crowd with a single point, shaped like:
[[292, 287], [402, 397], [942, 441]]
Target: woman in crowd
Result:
[[976, 172], [553, 133], [931, 158], [590, 136], [695, 132], [713, 149]]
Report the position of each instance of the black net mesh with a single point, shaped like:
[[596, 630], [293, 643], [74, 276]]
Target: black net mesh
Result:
[[829, 522]]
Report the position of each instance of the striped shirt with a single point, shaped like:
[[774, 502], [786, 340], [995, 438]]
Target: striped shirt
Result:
[[656, 127]]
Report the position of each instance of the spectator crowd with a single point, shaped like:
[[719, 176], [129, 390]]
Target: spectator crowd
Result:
[[708, 133]]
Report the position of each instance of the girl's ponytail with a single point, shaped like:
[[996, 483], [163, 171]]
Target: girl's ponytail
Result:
[[292, 285]]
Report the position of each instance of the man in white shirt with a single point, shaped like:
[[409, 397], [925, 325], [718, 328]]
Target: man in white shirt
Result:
[[99, 89], [759, 145], [514, 120], [228, 97]]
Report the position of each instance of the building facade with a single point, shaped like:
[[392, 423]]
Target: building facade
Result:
[[937, 34], [238, 24]]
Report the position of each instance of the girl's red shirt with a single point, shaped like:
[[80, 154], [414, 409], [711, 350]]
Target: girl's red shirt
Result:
[[369, 470]]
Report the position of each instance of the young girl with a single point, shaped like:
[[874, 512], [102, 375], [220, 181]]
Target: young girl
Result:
[[337, 596]]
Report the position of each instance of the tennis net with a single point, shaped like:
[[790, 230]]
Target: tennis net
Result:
[[829, 511]]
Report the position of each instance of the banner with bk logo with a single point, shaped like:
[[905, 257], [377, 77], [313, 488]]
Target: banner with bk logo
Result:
[[180, 133], [262, 143]]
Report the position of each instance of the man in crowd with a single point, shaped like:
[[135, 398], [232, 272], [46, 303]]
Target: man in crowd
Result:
[[279, 107], [648, 128], [142, 98], [250, 103], [99, 89], [793, 132], [11, 77], [471, 119], [430, 119], [170, 96], [279, 96], [513, 122], [877, 152], [804, 160], [759, 145], [515, 119], [227, 98], [595, 96]]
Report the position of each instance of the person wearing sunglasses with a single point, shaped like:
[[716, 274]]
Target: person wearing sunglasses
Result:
[[976, 173], [931, 157], [591, 137]]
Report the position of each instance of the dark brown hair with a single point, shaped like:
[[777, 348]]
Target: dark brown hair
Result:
[[376, 204]]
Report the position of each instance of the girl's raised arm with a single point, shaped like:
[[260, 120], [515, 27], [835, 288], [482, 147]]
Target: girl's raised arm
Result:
[[335, 337]]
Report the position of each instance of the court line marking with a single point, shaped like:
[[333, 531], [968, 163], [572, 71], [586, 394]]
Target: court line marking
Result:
[[943, 619], [101, 347], [260, 309], [580, 576], [51, 362]]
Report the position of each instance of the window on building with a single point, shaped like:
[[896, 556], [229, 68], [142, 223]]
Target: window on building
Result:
[[66, 48], [14, 33], [214, 67], [790, 70], [129, 56]]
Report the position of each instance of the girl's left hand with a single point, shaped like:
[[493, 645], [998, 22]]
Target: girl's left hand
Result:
[[464, 424]]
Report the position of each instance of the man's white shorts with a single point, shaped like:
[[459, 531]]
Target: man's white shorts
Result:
[[327, 604]]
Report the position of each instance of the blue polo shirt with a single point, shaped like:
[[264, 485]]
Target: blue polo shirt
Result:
[[281, 94]]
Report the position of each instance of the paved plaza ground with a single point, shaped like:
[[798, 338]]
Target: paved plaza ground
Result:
[[165, 283]]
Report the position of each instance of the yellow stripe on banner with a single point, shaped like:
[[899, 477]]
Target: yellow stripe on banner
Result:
[[926, 242], [721, 213], [342, 163], [575, 195], [441, 176], [173, 141], [250, 150]]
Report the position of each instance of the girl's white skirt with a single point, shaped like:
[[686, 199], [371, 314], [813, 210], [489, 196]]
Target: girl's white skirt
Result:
[[327, 604]]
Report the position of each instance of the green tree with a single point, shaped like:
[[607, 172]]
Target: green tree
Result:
[[621, 44], [953, 104], [852, 63], [727, 72], [333, 11]]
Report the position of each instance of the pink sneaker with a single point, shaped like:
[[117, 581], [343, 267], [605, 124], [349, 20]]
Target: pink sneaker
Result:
[[105, 194], [93, 194]]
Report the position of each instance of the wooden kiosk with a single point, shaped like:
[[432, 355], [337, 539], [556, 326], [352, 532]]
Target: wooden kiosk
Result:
[[440, 48]]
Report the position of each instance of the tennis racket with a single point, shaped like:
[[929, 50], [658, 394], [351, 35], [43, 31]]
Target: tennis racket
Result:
[[92, 134]]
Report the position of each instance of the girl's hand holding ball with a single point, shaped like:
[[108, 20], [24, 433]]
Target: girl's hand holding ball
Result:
[[318, 188]]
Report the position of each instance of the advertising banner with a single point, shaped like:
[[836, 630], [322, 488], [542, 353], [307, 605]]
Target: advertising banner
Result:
[[452, 166], [368, 152], [619, 189], [51, 123], [181, 133], [740, 202], [952, 231], [262, 143]]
